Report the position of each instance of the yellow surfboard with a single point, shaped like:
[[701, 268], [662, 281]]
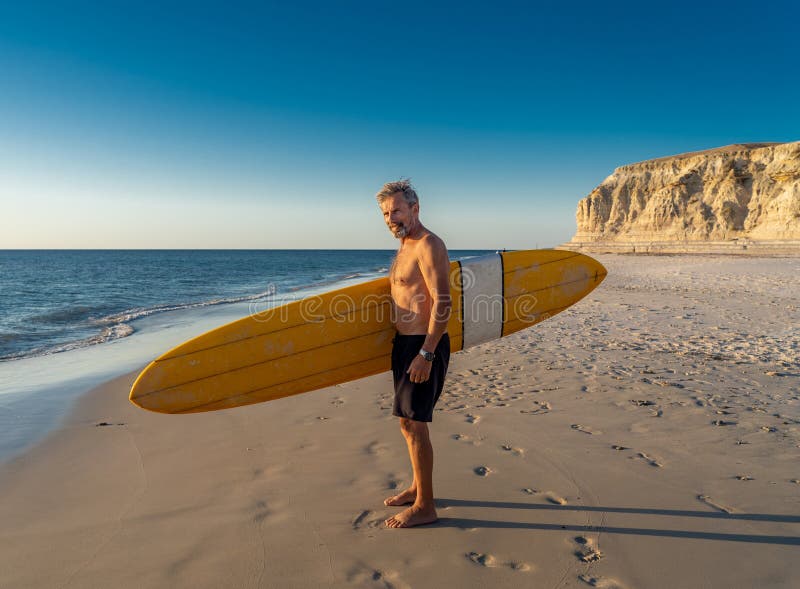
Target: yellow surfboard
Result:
[[347, 334]]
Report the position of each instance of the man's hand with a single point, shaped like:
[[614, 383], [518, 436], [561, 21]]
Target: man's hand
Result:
[[420, 369]]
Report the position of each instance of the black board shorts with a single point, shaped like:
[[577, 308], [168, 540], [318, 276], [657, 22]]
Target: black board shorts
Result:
[[415, 400]]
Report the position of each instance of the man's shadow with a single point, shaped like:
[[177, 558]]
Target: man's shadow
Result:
[[465, 523]]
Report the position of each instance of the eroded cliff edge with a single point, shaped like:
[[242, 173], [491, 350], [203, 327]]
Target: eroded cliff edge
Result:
[[737, 197]]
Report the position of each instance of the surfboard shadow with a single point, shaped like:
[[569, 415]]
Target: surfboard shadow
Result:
[[467, 523], [464, 523], [788, 519]]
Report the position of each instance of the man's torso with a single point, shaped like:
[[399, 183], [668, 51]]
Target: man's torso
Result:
[[410, 296]]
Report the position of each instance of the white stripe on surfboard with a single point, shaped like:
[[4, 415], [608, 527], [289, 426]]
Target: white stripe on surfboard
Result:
[[482, 291]]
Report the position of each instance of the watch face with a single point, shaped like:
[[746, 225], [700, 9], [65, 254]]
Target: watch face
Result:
[[427, 355]]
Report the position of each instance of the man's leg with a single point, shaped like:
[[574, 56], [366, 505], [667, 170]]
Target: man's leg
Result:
[[410, 494], [421, 453]]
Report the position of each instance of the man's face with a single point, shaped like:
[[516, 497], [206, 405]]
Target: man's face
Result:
[[399, 216]]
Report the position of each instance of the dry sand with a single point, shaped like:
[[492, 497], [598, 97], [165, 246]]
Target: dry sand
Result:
[[647, 437]]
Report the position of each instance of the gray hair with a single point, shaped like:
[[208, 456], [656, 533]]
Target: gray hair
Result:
[[404, 186]]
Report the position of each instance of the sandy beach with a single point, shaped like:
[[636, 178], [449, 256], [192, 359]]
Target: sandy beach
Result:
[[647, 437]]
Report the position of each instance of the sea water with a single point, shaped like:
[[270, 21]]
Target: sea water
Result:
[[71, 319]]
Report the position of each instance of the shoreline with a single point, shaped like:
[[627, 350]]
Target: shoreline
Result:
[[733, 247], [40, 389], [654, 422]]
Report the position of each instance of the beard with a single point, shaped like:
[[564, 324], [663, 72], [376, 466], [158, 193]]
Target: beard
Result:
[[399, 230]]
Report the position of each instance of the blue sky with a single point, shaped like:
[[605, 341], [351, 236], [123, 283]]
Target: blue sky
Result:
[[198, 125]]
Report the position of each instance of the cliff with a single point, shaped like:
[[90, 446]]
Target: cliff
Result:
[[744, 193]]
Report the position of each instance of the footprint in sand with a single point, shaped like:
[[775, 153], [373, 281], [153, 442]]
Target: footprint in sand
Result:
[[584, 429], [514, 451], [457, 407], [587, 551], [554, 498], [261, 512], [375, 448], [366, 519], [649, 459], [619, 448], [358, 521], [542, 407], [482, 471], [709, 501], [365, 576], [467, 439], [744, 477], [549, 496], [486, 560], [489, 561], [601, 582], [543, 389], [392, 481], [470, 418]]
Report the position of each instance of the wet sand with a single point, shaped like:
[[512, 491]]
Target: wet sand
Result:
[[647, 437]]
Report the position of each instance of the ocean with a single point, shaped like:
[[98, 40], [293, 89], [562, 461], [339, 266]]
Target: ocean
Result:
[[71, 319]]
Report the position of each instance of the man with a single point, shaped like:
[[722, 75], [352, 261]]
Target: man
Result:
[[421, 304]]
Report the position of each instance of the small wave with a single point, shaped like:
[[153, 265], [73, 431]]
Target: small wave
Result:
[[332, 280], [8, 338], [64, 315], [111, 332], [131, 314], [115, 326]]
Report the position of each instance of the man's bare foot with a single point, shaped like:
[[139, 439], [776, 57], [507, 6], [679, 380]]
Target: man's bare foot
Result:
[[413, 516], [404, 498]]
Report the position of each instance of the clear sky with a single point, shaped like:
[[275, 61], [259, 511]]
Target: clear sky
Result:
[[261, 125]]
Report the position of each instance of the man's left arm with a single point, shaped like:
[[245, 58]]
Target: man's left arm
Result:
[[435, 267]]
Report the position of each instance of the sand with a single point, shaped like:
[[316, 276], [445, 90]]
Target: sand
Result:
[[647, 437]]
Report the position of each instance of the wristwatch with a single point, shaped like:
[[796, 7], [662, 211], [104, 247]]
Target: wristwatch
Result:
[[427, 355]]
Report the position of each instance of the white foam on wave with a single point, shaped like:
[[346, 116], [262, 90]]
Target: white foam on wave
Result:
[[116, 326], [137, 313], [108, 333]]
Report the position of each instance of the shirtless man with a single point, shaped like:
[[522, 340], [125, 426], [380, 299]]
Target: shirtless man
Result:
[[421, 351]]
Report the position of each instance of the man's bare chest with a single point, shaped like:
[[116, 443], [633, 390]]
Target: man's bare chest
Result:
[[405, 270]]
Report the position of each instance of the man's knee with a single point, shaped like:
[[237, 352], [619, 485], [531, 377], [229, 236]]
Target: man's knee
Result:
[[405, 426], [413, 429]]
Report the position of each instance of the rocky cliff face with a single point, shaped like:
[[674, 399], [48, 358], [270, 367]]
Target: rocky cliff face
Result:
[[749, 191]]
